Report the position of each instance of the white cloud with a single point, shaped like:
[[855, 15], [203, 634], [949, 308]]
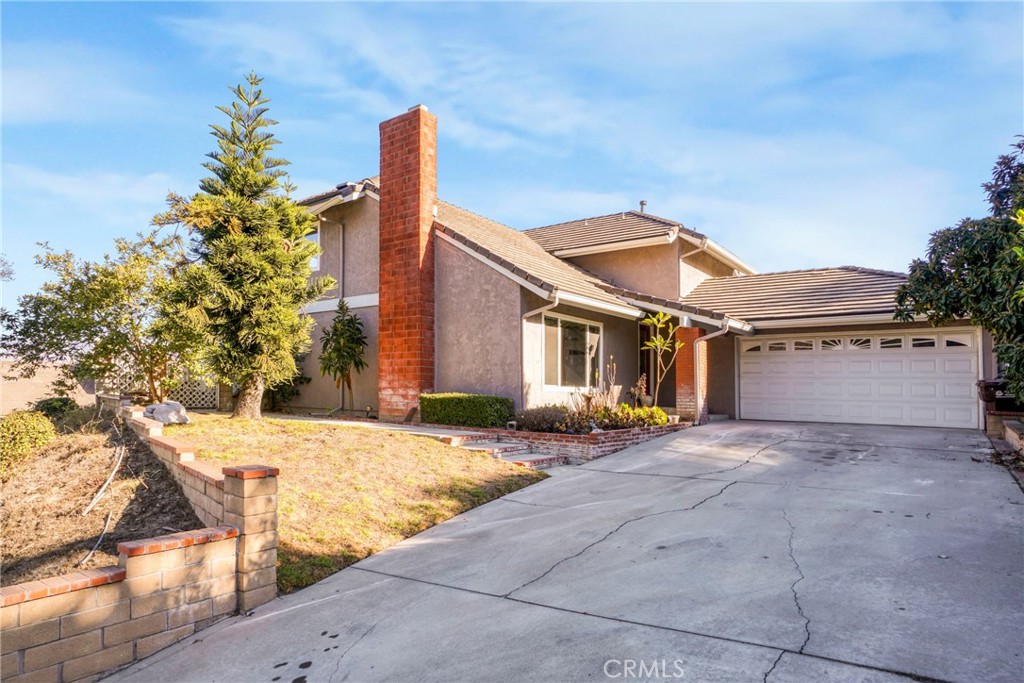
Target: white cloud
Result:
[[66, 82], [119, 201]]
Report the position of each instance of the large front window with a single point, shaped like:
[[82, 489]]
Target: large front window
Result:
[[572, 352]]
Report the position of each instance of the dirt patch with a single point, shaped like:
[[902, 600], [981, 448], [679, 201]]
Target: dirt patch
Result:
[[44, 531]]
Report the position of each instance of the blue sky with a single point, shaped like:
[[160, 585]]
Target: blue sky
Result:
[[797, 135]]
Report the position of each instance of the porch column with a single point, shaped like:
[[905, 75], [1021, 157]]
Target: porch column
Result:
[[692, 376]]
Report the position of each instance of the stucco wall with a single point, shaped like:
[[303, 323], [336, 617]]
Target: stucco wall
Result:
[[696, 268], [477, 326], [620, 339], [722, 376], [361, 221], [321, 393], [651, 270]]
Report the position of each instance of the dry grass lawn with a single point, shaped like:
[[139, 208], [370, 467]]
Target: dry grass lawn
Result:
[[346, 492]]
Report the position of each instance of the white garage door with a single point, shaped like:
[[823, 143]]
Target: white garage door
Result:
[[914, 378]]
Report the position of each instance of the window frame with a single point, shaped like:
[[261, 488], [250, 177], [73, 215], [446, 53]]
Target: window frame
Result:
[[314, 262], [558, 352]]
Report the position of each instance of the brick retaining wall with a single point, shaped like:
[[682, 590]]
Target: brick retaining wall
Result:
[[77, 626], [578, 448], [1013, 433]]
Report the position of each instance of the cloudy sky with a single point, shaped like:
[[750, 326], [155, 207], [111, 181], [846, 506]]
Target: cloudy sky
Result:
[[797, 135]]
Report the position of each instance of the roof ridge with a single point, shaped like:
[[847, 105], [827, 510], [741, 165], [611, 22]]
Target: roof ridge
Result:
[[875, 271], [852, 269], [607, 215]]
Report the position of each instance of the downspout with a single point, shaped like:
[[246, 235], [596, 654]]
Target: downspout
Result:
[[522, 344], [696, 368]]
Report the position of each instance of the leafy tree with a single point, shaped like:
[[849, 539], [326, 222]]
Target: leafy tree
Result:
[[341, 349], [97, 319], [249, 274], [975, 271], [664, 344], [6, 269]]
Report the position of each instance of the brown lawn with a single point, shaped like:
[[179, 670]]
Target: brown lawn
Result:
[[346, 492]]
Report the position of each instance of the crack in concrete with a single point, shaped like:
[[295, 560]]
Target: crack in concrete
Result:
[[615, 531], [774, 664], [736, 467], [533, 505], [792, 587]]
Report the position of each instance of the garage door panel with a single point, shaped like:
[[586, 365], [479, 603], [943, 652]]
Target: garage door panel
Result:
[[959, 366], [881, 384], [919, 366]]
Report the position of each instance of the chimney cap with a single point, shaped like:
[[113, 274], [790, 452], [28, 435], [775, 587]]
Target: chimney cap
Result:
[[419, 106]]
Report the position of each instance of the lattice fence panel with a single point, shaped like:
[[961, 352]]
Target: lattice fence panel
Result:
[[195, 393]]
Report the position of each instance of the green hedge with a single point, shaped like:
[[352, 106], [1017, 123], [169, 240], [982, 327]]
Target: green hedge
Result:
[[20, 433], [466, 410]]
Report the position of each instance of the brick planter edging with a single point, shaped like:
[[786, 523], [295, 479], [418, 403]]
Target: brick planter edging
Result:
[[578, 448]]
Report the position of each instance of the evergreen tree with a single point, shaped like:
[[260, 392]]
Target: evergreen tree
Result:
[[249, 273]]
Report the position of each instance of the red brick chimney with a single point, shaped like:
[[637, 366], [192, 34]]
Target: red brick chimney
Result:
[[408, 194]]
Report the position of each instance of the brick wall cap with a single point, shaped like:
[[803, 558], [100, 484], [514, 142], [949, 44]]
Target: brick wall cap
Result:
[[182, 539], [176, 446], [251, 471], [146, 422], [36, 590]]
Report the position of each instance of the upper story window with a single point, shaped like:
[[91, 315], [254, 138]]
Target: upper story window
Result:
[[572, 352], [314, 263]]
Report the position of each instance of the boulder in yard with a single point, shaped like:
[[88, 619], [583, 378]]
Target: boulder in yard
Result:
[[168, 412]]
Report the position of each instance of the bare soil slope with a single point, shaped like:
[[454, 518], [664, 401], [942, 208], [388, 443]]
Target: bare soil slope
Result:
[[43, 529]]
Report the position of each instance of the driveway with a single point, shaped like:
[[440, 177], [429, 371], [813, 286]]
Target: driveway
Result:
[[736, 551]]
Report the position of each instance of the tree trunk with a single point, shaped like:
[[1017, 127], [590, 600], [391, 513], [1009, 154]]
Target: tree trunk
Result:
[[250, 398]]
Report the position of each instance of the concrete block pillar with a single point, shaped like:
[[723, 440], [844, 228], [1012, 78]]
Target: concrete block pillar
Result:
[[250, 504]]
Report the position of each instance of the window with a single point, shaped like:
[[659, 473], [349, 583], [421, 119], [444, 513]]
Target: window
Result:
[[890, 343], [955, 340], [752, 349], [831, 344], [922, 342], [314, 263], [860, 343], [572, 352], [803, 345], [777, 346]]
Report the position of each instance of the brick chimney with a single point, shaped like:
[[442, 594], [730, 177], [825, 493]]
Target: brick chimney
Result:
[[408, 194]]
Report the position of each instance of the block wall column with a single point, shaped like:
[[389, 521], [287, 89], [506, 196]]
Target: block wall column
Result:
[[408, 195], [250, 504]]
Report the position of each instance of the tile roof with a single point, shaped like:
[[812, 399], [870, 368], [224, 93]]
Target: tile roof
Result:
[[371, 184], [822, 292], [616, 227], [518, 254]]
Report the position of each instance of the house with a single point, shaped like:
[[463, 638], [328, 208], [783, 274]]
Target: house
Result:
[[453, 301]]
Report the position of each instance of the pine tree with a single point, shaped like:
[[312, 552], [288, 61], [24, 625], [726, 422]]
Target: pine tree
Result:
[[249, 274]]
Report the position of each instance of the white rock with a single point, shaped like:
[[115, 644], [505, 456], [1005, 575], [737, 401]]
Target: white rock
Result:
[[168, 412]]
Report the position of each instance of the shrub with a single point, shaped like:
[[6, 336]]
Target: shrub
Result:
[[560, 419], [20, 433], [56, 408], [466, 410], [549, 418]]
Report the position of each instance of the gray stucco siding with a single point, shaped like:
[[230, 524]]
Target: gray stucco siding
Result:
[[477, 326]]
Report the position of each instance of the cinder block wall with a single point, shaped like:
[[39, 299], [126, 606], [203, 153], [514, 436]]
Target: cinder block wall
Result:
[[77, 626], [80, 625]]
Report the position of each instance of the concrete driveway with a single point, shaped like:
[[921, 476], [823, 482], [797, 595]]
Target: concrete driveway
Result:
[[737, 551]]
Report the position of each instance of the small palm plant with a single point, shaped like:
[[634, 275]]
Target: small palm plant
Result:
[[341, 349]]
